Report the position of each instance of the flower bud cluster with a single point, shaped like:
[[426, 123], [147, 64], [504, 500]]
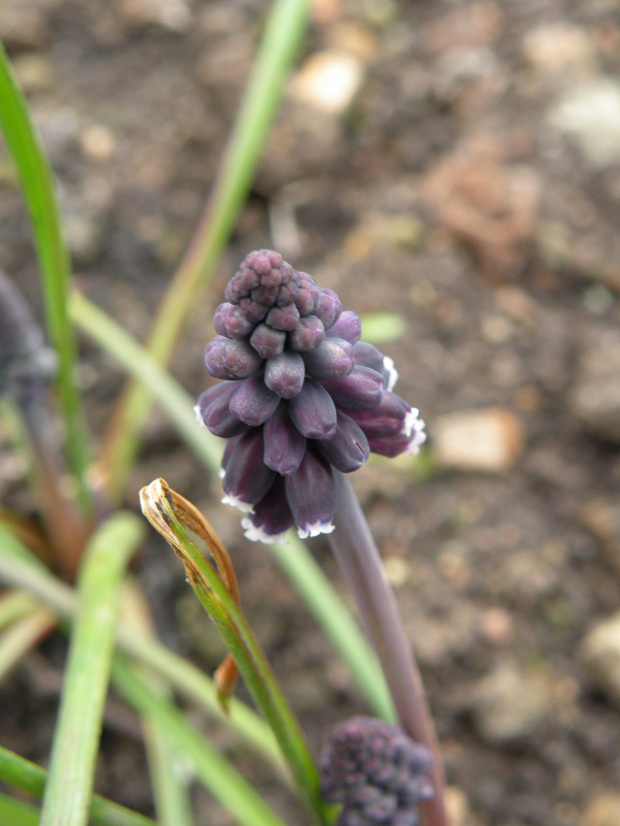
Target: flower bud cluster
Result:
[[377, 772], [302, 395]]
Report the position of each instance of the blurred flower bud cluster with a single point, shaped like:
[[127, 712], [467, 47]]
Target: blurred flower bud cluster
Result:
[[376, 771]]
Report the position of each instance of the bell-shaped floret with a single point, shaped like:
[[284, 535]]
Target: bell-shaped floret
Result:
[[348, 327], [360, 390], [228, 358], [246, 477], [311, 495], [213, 410], [391, 417], [285, 374], [332, 359], [348, 449], [272, 516], [284, 444], [313, 411], [253, 402]]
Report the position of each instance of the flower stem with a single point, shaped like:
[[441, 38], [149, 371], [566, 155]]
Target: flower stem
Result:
[[358, 557]]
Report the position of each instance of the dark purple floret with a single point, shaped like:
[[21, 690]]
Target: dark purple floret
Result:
[[284, 444], [348, 448], [332, 359], [253, 402], [376, 772], [303, 397], [214, 412], [285, 374], [360, 390], [228, 358], [348, 326]]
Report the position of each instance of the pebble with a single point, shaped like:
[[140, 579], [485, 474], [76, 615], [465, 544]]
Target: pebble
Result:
[[97, 143], [174, 15], [559, 48], [509, 704], [595, 397], [329, 80], [600, 653], [34, 72], [591, 113], [604, 810], [489, 440]]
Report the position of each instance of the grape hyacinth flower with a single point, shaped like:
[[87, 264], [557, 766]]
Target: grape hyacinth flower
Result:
[[302, 398], [376, 772]]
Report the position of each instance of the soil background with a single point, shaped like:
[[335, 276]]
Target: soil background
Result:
[[467, 178]]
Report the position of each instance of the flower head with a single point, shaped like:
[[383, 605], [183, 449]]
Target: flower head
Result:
[[376, 771], [301, 396]]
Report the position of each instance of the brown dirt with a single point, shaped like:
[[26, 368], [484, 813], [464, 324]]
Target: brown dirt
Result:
[[445, 193]]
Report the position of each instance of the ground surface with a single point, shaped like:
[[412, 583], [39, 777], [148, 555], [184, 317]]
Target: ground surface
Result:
[[472, 185]]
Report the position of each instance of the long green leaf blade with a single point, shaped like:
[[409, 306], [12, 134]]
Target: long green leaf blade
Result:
[[18, 567], [21, 774], [74, 750], [213, 770], [40, 195]]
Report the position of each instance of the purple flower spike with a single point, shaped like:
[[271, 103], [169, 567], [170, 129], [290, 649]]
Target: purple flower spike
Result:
[[348, 449], [272, 516], [308, 334], [360, 390], [230, 321], [285, 374], [284, 444], [213, 411], [247, 478], [228, 358], [267, 342], [313, 411], [348, 327], [376, 772], [332, 359], [310, 495], [328, 307], [304, 401], [253, 402]]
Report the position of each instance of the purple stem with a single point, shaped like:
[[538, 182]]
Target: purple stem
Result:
[[357, 555]]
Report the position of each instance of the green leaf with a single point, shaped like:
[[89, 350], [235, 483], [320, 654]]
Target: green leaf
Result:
[[212, 769], [20, 773], [76, 740], [381, 328], [18, 567], [38, 187], [173, 516]]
